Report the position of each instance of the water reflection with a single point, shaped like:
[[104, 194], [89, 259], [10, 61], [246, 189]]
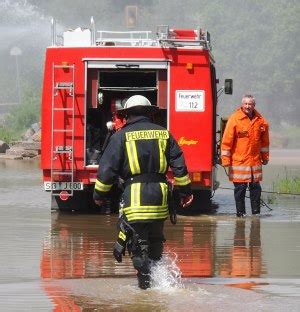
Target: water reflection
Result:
[[81, 246], [245, 258], [193, 242]]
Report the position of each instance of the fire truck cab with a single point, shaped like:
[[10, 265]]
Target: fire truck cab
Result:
[[88, 74]]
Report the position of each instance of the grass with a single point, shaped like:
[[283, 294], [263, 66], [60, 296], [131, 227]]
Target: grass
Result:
[[288, 184], [8, 135]]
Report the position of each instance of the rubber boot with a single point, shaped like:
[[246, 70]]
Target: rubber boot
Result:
[[240, 208], [255, 207], [141, 263], [143, 280]]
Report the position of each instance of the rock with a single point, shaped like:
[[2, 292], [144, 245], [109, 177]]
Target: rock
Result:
[[15, 152], [36, 127], [28, 134], [31, 132], [3, 147], [11, 157], [21, 152], [37, 136], [29, 145]]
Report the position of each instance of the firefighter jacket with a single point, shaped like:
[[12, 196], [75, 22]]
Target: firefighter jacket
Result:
[[245, 145], [142, 148]]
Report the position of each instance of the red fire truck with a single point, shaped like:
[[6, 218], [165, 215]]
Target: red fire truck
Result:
[[88, 73]]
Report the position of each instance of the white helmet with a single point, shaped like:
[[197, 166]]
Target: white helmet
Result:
[[138, 102]]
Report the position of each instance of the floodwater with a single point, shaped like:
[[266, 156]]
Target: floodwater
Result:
[[63, 262]]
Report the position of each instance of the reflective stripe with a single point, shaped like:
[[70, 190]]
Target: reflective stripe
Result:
[[240, 176], [135, 197], [153, 216], [162, 144], [245, 173], [264, 149], [132, 157], [146, 212], [145, 209], [101, 187], [164, 191], [182, 180], [147, 135], [122, 236], [225, 153], [241, 168]]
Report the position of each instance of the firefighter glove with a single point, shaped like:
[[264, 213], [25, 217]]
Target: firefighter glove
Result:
[[119, 251], [186, 201]]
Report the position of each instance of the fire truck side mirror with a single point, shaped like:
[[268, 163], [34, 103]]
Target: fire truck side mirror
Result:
[[228, 86]]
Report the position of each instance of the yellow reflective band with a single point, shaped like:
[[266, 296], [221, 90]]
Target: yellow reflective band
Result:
[[147, 216], [182, 180], [164, 191], [132, 157], [101, 187], [162, 144], [122, 236], [145, 209], [135, 192], [147, 135], [146, 212]]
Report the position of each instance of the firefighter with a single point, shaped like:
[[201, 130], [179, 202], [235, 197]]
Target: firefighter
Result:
[[140, 154], [244, 149]]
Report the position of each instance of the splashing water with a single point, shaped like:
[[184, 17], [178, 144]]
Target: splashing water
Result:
[[165, 274]]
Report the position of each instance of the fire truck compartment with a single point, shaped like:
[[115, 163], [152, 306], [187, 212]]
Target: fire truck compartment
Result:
[[107, 91]]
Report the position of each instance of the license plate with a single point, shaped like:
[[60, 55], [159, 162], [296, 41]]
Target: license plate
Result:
[[60, 186]]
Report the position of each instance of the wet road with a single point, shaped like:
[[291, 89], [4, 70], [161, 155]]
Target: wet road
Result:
[[63, 262]]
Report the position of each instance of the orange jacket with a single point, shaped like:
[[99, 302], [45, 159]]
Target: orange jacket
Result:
[[245, 144]]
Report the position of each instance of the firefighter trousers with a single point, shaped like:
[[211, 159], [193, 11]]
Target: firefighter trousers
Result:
[[239, 196], [150, 250]]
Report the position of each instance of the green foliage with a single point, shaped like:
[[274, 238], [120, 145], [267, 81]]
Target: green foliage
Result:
[[7, 135], [27, 113], [21, 117], [288, 184]]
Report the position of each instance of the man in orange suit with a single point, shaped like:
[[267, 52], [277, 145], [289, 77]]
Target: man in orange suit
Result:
[[244, 149]]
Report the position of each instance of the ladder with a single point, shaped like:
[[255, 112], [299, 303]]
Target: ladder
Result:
[[62, 129]]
